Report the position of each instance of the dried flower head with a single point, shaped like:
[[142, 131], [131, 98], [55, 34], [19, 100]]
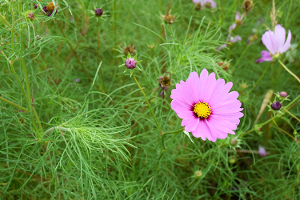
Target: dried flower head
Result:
[[30, 16], [98, 12], [164, 84], [247, 5], [224, 65], [207, 108], [168, 18], [276, 105], [210, 4], [129, 49]]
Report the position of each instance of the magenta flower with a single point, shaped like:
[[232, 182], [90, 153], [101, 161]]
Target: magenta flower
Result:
[[207, 108], [130, 63], [275, 43]]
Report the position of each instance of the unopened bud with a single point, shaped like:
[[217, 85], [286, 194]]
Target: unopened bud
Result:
[[276, 105], [30, 16], [233, 141], [98, 12], [130, 63], [283, 94], [198, 174]]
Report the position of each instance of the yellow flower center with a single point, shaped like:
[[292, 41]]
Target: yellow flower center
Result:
[[202, 110]]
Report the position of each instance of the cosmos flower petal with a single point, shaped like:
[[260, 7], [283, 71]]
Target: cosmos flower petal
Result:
[[287, 43], [211, 82], [201, 130], [265, 56], [269, 40], [196, 1], [194, 80], [180, 88], [220, 83], [191, 124], [217, 129], [280, 35]]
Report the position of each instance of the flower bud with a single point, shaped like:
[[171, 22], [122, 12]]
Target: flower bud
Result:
[[283, 94], [232, 159], [262, 151], [30, 16], [130, 63], [276, 105], [98, 12], [198, 173], [243, 85], [233, 141]]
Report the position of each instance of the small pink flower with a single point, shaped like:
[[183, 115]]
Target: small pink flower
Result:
[[130, 63], [275, 43], [235, 39], [206, 107]]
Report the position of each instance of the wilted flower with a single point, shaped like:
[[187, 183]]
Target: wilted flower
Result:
[[49, 9], [130, 63], [276, 105], [129, 49], [247, 5], [275, 43], [207, 3], [168, 18], [283, 94], [164, 84], [207, 108], [262, 151], [98, 12], [239, 18]]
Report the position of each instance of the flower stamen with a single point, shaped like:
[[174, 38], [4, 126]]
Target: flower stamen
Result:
[[202, 110]]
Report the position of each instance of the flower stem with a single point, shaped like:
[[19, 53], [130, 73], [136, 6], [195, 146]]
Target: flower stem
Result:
[[259, 79], [170, 132], [160, 131], [98, 60], [12, 103], [291, 73]]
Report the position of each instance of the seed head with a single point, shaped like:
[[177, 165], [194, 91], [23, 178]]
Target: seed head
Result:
[[247, 5], [276, 105], [283, 94], [30, 16], [98, 12], [130, 63]]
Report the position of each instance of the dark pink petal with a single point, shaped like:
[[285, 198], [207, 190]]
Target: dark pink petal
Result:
[[280, 35], [269, 40], [265, 56], [287, 43]]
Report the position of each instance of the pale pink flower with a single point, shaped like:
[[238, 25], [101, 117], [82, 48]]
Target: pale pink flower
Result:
[[206, 106], [275, 43]]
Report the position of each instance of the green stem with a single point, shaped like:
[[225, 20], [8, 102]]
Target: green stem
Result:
[[291, 73], [170, 132], [239, 59], [263, 74], [12, 34], [14, 104], [160, 131], [98, 60]]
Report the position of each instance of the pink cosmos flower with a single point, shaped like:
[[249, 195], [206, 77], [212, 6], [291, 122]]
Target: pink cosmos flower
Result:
[[206, 106], [275, 43], [207, 3]]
